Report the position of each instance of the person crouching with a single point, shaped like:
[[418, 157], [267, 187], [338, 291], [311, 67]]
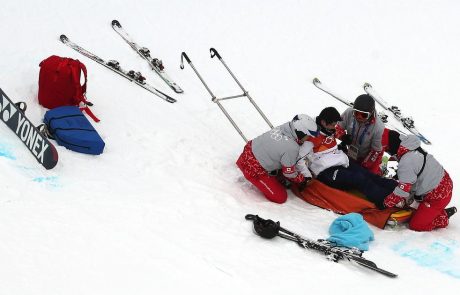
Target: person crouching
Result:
[[276, 150], [421, 177]]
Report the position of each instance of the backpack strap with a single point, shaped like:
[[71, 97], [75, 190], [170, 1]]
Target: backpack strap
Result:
[[85, 73], [76, 67], [88, 111], [424, 153], [81, 91]]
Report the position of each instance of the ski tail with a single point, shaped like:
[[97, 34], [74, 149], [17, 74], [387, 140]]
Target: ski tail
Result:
[[371, 265]]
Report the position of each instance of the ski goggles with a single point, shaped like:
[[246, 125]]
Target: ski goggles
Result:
[[361, 115]]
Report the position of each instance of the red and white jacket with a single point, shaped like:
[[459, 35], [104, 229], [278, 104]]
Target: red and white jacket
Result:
[[319, 154]]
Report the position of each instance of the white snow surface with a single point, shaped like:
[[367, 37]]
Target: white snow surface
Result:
[[161, 211]]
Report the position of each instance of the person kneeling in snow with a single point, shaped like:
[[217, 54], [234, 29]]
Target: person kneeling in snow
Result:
[[274, 150], [332, 167], [422, 178]]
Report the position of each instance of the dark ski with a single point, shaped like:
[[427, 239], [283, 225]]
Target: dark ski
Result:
[[155, 63], [114, 66], [268, 228], [13, 115]]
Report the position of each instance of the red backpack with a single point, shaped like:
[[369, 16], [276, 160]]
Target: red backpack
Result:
[[59, 84]]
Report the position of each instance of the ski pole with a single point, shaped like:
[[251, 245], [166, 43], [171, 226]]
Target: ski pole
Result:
[[214, 98], [214, 52], [184, 55]]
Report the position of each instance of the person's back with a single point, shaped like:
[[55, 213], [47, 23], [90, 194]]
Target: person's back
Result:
[[411, 163], [421, 176], [274, 151], [276, 148]]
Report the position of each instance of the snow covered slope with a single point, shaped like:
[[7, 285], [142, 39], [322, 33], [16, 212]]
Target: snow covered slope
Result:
[[162, 210]]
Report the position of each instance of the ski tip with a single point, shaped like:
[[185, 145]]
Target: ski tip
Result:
[[250, 217], [63, 38], [55, 158], [22, 106], [425, 141], [176, 88], [116, 23], [165, 96]]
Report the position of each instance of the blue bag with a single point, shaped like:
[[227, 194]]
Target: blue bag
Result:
[[71, 129]]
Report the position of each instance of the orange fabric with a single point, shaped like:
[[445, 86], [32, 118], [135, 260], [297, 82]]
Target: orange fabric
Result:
[[341, 202], [322, 143]]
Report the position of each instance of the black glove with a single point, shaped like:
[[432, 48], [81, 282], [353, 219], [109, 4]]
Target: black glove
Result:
[[346, 139], [304, 183]]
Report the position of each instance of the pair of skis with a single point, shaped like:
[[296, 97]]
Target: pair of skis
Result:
[[407, 122], [133, 76], [332, 251]]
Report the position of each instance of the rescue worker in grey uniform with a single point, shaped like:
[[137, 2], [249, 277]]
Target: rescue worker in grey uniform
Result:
[[421, 177], [361, 132], [276, 150]]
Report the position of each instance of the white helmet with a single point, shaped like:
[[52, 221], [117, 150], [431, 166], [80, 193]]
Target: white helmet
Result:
[[304, 125]]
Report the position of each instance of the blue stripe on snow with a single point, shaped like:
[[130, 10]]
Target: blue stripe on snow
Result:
[[439, 255], [6, 152]]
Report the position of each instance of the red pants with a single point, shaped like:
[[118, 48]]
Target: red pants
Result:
[[430, 213], [256, 174]]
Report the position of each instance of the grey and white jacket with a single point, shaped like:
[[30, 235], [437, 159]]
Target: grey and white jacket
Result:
[[409, 166], [366, 136], [278, 149]]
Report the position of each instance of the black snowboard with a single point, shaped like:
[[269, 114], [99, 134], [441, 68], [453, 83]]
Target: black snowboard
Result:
[[40, 147]]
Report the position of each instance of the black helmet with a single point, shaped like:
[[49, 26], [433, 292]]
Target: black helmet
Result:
[[330, 115], [364, 103], [393, 142]]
